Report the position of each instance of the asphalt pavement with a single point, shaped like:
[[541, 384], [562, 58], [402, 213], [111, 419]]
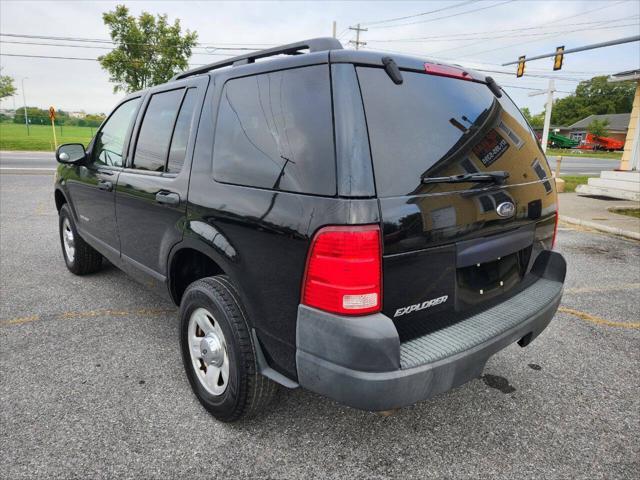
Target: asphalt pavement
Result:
[[582, 165], [92, 384], [39, 162]]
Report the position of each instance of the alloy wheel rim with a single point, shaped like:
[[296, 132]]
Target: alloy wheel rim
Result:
[[68, 240], [208, 351]]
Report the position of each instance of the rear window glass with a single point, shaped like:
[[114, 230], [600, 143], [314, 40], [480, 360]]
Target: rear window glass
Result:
[[155, 132], [178, 149], [275, 131], [436, 126]]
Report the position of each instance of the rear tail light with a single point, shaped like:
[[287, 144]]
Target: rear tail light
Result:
[[447, 71], [344, 270]]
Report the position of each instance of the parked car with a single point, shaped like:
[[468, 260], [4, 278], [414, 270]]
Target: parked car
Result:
[[371, 228]]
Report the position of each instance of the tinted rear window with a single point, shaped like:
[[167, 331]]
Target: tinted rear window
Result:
[[275, 131], [155, 132], [181, 131], [437, 126]]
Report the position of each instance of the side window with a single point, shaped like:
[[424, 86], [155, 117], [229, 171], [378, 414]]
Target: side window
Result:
[[155, 133], [275, 131], [110, 140], [178, 149]]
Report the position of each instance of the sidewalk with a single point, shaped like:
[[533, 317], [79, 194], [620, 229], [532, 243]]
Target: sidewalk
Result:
[[592, 212]]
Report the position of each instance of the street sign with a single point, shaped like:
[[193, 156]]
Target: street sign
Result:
[[557, 60], [52, 117]]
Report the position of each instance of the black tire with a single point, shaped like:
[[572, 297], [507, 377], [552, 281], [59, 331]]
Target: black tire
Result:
[[85, 258], [247, 391]]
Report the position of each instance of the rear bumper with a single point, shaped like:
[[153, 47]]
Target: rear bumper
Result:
[[360, 361]]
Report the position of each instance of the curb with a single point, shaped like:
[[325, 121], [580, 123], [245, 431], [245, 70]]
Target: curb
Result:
[[52, 152], [601, 228], [27, 171]]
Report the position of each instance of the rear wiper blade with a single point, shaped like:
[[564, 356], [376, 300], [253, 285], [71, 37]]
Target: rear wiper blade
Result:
[[498, 177]]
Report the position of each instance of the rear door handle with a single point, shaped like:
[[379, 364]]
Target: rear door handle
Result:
[[105, 185], [167, 198]]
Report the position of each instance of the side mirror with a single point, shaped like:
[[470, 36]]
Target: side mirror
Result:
[[71, 153]]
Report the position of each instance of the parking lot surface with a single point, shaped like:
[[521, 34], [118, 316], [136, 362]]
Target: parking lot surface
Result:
[[92, 383]]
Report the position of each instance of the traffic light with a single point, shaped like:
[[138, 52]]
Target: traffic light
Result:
[[520, 71], [557, 60]]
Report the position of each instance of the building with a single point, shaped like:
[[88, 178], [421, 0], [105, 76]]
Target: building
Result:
[[624, 182], [77, 114], [631, 154], [618, 124]]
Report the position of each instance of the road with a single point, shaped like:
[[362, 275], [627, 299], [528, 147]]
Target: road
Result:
[[32, 162], [93, 385]]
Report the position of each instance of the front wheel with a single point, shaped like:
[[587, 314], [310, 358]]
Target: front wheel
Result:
[[218, 352], [80, 257]]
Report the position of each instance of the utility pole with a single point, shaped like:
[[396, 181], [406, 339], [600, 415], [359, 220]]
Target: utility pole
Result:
[[24, 99], [357, 41], [334, 29], [547, 111]]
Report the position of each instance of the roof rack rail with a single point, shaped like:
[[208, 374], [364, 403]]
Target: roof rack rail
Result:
[[313, 45]]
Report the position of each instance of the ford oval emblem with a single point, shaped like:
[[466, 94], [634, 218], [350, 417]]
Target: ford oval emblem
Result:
[[506, 209]]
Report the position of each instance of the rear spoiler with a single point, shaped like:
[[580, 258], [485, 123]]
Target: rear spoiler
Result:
[[441, 70]]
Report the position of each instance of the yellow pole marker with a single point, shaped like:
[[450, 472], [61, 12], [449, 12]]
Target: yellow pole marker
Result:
[[52, 116]]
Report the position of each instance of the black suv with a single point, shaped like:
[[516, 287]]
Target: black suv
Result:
[[371, 228]]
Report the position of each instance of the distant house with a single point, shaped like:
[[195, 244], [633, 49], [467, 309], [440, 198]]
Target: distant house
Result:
[[631, 154], [617, 127], [77, 114]]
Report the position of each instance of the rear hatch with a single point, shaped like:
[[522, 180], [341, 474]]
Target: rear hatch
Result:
[[450, 249]]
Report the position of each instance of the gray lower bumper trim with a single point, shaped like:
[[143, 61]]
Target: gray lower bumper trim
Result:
[[461, 336], [432, 369]]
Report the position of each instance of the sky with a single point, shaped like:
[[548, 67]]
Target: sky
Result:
[[477, 34]]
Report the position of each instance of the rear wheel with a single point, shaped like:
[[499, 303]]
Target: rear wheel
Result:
[[79, 256], [218, 352]]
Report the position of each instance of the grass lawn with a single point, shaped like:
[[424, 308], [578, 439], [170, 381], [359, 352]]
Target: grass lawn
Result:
[[631, 212], [585, 153], [14, 136], [572, 181]]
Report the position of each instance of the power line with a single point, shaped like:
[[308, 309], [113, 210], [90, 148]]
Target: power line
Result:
[[99, 47], [534, 75], [53, 57], [447, 16], [418, 14], [473, 35], [544, 35], [530, 88], [357, 42], [100, 40], [563, 19], [554, 21]]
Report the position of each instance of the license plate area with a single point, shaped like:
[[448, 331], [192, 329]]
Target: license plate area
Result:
[[484, 281]]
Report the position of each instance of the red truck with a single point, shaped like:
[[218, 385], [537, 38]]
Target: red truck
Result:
[[593, 142]]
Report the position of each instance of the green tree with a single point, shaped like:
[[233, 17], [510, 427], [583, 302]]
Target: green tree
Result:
[[148, 50], [6, 86], [536, 121], [593, 97], [37, 116], [598, 128]]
